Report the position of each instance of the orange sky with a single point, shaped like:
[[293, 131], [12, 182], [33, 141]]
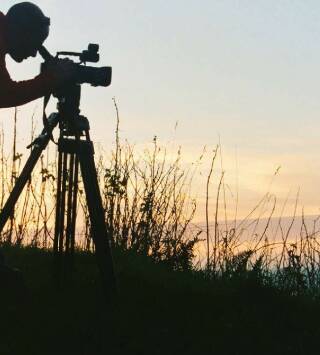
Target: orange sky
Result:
[[247, 72]]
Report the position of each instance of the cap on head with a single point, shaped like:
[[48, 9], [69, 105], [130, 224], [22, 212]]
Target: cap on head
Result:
[[26, 16], [27, 29]]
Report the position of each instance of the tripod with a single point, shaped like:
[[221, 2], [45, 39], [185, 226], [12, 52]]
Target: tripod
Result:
[[75, 149]]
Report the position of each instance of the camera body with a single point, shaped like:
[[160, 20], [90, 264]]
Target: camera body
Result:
[[69, 95], [95, 76]]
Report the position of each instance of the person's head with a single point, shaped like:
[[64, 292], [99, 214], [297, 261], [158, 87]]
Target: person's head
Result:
[[27, 29]]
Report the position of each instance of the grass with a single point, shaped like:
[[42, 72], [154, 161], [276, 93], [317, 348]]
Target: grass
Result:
[[255, 295], [157, 311]]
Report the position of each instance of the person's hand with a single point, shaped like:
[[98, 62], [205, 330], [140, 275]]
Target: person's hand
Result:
[[63, 71]]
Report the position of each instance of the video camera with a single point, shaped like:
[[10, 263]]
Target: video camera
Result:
[[84, 74]]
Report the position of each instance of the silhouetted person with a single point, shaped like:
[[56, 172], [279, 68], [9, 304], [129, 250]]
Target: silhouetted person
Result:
[[22, 31]]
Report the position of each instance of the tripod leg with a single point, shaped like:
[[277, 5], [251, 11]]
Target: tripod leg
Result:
[[63, 200], [74, 203], [70, 204], [23, 179], [58, 206], [98, 226], [58, 239]]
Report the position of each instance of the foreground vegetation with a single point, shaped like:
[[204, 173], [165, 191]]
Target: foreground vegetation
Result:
[[237, 287], [157, 311]]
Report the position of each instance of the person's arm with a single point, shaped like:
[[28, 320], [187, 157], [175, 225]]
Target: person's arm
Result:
[[16, 93]]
